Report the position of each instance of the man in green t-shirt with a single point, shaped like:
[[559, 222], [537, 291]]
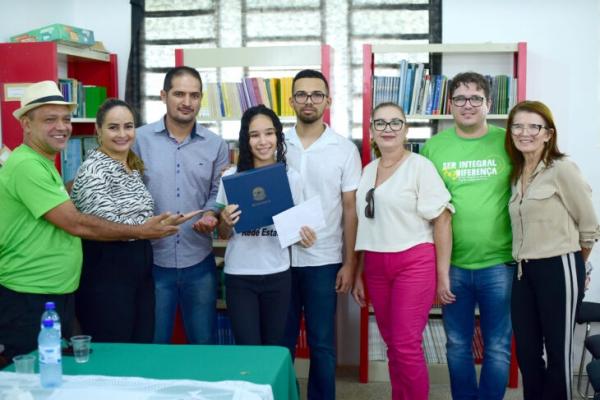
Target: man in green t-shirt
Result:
[[471, 159], [40, 249]]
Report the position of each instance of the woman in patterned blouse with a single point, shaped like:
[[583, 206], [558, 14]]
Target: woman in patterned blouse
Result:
[[115, 300]]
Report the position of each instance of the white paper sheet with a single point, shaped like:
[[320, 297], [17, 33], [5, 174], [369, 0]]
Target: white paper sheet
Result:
[[289, 222]]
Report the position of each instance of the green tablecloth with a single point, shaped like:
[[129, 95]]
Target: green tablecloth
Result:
[[258, 364]]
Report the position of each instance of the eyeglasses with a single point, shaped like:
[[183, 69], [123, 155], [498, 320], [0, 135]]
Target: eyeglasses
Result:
[[460, 101], [315, 97], [531, 129], [370, 208], [395, 124]]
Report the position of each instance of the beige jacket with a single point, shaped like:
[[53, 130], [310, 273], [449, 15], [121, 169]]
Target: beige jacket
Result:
[[555, 216]]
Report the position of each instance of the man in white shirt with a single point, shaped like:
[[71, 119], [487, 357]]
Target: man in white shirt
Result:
[[330, 168]]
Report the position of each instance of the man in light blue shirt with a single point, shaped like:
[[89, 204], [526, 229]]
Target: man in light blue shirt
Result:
[[183, 162]]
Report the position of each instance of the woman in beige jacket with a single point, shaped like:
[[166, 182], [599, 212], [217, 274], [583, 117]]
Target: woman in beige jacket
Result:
[[554, 227]]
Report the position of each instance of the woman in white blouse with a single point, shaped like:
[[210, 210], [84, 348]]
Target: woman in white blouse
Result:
[[404, 238], [115, 299]]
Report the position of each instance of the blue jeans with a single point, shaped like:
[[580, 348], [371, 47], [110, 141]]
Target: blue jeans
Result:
[[194, 289], [490, 289], [313, 290]]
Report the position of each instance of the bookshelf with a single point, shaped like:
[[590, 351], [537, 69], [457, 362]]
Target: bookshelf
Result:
[[235, 63], [485, 58], [25, 63]]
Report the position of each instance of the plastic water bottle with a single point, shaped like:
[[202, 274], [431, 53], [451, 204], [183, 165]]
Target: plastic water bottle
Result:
[[49, 351], [51, 313]]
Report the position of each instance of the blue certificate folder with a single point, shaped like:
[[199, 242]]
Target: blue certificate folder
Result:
[[260, 193]]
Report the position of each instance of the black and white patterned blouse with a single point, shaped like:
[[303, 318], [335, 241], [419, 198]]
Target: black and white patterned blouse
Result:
[[104, 188]]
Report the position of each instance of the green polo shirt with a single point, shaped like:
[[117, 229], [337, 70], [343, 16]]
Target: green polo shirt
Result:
[[35, 255]]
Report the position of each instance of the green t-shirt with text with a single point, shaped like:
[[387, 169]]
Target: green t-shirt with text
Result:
[[35, 255], [477, 174]]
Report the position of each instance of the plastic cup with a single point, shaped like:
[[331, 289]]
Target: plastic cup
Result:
[[81, 348], [24, 364]]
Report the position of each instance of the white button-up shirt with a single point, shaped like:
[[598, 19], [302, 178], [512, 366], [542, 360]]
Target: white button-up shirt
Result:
[[329, 167]]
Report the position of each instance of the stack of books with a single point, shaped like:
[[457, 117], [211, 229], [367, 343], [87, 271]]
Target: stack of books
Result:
[[434, 342], [88, 97], [224, 332], [377, 347], [420, 93], [231, 99], [74, 154]]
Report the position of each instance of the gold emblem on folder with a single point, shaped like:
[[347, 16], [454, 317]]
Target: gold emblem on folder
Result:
[[259, 194]]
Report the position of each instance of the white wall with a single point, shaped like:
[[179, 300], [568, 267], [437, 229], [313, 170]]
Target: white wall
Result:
[[111, 22], [109, 19]]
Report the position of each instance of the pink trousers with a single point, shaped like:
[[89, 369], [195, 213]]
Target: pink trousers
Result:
[[401, 287]]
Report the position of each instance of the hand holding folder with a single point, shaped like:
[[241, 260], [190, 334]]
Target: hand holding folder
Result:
[[260, 193], [231, 214]]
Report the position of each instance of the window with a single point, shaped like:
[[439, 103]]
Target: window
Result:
[[344, 24]]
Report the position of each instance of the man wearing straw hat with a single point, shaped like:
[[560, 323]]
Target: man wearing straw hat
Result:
[[40, 249]]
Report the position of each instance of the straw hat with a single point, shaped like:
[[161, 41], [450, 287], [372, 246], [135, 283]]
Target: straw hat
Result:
[[39, 94]]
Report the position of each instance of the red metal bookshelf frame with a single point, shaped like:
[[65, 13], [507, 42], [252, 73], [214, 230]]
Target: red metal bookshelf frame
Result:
[[34, 62]]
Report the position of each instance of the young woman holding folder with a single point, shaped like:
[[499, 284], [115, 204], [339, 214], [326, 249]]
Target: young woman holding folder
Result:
[[257, 269]]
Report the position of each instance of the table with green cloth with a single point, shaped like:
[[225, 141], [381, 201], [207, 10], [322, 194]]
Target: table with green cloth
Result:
[[269, 365]]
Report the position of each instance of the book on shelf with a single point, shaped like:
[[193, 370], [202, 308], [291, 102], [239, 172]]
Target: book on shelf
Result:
[[434, 342], [231, 99], [88, 144], [224, 331], [71, 158], [439, 340], [302, 350], [421, 93], [221, 289], [478, 344], [94, 97], [74, 154], [234, 152], [88, 97], [428, 348], [377, 347], [415, 145]]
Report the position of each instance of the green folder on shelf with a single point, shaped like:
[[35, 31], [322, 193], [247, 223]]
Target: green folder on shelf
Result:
[[94, 97]]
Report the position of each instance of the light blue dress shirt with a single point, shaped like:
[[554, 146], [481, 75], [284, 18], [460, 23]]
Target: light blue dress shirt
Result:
[[181, 177]]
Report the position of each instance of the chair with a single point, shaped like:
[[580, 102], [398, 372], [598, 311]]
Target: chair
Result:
[[592, 344], [593, 370], [588, 312]]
